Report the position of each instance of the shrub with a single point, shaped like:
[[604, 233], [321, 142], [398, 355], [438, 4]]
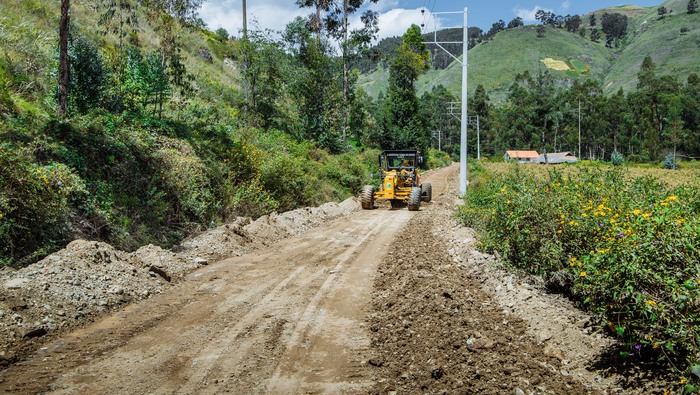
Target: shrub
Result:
[[436, 159], [628, 249], [34, 206], [617, 158], [670, 162]]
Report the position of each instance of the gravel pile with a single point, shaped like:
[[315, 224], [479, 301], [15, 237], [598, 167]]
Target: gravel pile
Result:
[[88, 278]]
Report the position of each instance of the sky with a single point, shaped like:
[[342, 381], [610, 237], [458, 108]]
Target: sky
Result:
[[395, 16]]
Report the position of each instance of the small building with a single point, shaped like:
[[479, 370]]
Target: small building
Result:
[[554, 158], [522, 156]]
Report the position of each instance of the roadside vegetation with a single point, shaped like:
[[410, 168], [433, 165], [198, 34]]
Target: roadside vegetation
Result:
[[168, 128], [621, 245]]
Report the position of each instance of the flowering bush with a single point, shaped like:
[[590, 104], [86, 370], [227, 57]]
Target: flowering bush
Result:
[[626, 250]]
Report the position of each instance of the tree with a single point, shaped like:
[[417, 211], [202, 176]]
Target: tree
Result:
[[516, 22], [662, 12], [335, 21], [572, 24], [403, 125], [434, 109], [496, 28], [117, 16], [591, 20], [541, 31], [595, 35], [222, 34], [692, 6], [146, 81], [88, 75], [614, 25], [63, 67]]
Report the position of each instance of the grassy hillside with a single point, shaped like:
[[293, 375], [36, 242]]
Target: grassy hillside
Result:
[[495, 63], [674, 52]]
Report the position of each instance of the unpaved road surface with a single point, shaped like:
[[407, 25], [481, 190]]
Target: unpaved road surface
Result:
[[380, 301]]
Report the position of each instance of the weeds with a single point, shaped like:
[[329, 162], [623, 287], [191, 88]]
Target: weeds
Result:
[[625, 249]]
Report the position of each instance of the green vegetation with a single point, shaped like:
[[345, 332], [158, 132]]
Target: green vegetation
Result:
[[169, 128], [623, 248]]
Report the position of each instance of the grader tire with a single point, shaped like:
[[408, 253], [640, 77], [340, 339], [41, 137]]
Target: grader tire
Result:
[[414, 199], [367, 197], [427, 192]]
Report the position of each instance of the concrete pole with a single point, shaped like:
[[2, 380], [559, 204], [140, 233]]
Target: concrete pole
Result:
[[245, 21], [463, 140]]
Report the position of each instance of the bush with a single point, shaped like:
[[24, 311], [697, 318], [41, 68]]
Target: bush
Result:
[[617, 158], [670, 162], [34, 206], [628, 248], [436, 159]]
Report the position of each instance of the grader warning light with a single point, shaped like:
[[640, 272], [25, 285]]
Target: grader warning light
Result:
[[401, 184]]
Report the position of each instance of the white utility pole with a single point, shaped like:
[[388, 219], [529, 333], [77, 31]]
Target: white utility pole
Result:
[[464, 62]]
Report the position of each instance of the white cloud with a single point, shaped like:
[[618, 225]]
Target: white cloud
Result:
[[529, 15], [565, 5], [276, 14], [269, 14]]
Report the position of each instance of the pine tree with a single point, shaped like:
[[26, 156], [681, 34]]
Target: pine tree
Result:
[[692, 6]]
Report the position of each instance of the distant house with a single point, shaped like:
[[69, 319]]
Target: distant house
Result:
[[522, 156], [557, 157]]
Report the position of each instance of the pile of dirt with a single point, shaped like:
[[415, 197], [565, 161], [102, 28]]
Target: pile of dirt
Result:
[[88, 279]]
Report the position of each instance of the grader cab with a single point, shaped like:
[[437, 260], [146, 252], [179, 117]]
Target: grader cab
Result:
[[400, 182]]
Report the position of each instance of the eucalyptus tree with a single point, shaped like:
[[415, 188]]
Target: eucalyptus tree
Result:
[[404, 126], [332, 15], [63, 67]]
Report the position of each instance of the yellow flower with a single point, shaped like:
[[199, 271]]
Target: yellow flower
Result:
[[672, 198], [651, 303], [582, 274], [683, 380], [646, 215]]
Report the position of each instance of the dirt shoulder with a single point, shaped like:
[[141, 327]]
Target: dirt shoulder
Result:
[[447, 318]]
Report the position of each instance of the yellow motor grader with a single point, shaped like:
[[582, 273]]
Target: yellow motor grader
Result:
[[401, 184]]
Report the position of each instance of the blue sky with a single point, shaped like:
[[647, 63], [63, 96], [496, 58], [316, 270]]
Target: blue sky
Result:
[[397, 15]]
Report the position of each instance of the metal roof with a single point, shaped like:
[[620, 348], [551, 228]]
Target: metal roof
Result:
[[518, 154]]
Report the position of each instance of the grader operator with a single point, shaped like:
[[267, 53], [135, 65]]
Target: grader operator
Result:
[[400, 182]]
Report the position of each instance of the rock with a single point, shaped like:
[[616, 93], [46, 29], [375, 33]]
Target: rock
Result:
[[518, 391], [16, 283], [38, 332], [159, 271], [554, 352], [200, 261]]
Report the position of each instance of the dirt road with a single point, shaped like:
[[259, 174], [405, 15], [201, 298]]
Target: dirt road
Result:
[[368, 303]]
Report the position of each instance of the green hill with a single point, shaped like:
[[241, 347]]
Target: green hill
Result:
[[672, 42], [495, 63]]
